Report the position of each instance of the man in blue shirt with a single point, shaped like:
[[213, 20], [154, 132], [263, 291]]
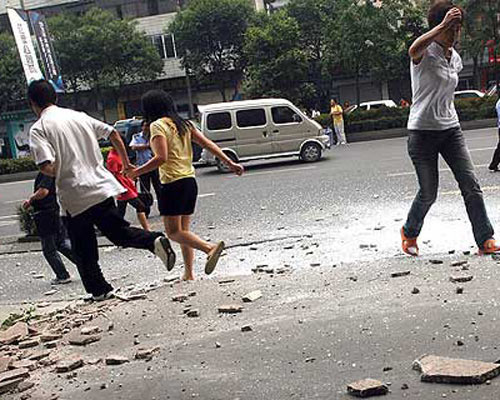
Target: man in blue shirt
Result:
[[496, 156], [140, 144]]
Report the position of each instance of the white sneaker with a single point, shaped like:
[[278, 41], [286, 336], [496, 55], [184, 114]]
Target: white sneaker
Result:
[[164, 252], [105, 296]]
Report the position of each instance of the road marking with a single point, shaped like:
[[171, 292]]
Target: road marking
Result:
[[9, 217], [440, 170], [8, 223], [14, 201], [278, 171], [16, 183], [202, 196]]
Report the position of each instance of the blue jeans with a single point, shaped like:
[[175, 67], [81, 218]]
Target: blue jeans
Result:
[[424, 148], [56, 243]]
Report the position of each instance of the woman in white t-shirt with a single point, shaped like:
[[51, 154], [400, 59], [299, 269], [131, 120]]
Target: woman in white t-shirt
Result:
[[434, 128]]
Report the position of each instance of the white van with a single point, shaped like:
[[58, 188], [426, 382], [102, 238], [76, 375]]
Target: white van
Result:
[[261, 129]]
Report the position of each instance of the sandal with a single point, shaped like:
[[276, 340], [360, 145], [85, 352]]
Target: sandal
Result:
[[214, 258], [409, 245], [489, 247]]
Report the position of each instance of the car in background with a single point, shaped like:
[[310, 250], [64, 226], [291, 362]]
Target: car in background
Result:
[[372, 105], [261, 129], [468, 95], [127, 129]]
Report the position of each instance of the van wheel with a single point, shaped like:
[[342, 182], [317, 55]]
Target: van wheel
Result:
[[222, 167], [311, 152]]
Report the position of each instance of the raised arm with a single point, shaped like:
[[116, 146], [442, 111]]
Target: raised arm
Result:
[[419, 46], [160, 149], [200, 139]]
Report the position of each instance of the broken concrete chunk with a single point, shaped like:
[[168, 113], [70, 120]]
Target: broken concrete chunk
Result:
[[448, 370], [83, 340], [459, 263], [436, 262], [146, 354], [50, 337], [193, 313], [116, 360], [17, 332], [461, 278], [50, 292], [5, 363], [180, 298], [10, 385], [25, 385], [26, 364], [230, 309], [367, 388], [399, 274], [28, 344], [39, 355], [246, 328], [252, 296], [69, 364], [415, 290], [90, 330], [21, 373]]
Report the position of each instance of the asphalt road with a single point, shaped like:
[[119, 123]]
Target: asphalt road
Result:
[[350, 191]]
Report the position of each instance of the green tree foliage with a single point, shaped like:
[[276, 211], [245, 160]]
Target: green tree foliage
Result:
[[12, 81], [209, 35], [373, 40], [277, 64], [100, 52]]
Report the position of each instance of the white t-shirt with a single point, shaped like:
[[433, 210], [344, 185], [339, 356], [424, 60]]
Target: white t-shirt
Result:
[[498, 112], [68, 138], [433, 82]]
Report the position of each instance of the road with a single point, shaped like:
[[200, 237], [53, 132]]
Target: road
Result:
[[334, 316], [351, 190]]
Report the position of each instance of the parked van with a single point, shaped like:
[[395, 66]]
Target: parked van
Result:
[[261, 129]]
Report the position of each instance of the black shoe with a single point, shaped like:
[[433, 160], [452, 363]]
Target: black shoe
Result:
[[164, 252], [493, 168], [59, 281]]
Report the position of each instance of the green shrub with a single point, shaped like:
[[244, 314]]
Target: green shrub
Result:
[[390, 118], [13, 166], [26, 221]]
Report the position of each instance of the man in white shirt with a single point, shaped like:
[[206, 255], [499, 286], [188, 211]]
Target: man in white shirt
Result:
[[64, 144], [496, 156]]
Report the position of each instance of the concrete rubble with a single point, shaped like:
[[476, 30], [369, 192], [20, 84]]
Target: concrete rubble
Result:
[[367, 388]]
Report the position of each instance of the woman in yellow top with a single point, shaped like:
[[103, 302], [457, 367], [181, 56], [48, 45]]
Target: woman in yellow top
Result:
[[171, 138]]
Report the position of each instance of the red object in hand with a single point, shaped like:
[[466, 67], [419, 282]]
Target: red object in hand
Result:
[[115, 166]]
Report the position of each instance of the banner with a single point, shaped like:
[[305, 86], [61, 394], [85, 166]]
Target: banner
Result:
[[47, 54], [19, 22]]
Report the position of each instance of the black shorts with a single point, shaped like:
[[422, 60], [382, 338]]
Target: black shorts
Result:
[[136, 203], [178, 198]]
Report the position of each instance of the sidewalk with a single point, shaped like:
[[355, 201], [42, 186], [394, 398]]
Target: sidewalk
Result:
[[314, 330]]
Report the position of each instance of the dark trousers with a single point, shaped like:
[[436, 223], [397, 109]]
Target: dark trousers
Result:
[[151, 178], [52, 245], [496, 155], [424, 148], [81, 230]]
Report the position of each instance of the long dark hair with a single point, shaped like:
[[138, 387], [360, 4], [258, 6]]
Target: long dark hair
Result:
[[157, 104]]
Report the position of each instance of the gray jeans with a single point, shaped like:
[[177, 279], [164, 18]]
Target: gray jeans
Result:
[[424, 148], [54, 244]]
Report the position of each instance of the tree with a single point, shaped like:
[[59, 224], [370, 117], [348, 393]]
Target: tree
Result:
[[277, 65], [483, 30], [100, 52], [209, 35], [370, 39], [12, 81]]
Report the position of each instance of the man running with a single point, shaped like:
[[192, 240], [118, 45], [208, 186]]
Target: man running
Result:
[[64, 144]]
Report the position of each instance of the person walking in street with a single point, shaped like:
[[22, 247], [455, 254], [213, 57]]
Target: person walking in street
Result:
[[337, 115], [496, 156], [434, 128], [140, 144], [50, 228], [64, 144], [171, 138], [131, 196]]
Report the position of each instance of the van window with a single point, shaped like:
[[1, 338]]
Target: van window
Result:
[[249, 118], [285, 115], [376, 106], [219, 121]]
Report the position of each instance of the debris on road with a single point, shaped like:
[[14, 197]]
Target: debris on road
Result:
[[436, 262], [146, 354], [116, 360], [448, 370], [400, 274], [252, 296], [14, 334], [367, 388], [246, 328], [83, 340], [461, 278], [415, 290], [69, 364], [230, 309]]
